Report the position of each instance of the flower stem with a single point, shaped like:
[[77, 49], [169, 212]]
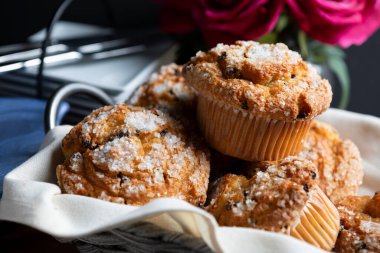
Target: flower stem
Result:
[[302, 42]]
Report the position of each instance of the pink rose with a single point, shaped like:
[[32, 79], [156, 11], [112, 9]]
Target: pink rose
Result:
[[343, 22], [221, 20]]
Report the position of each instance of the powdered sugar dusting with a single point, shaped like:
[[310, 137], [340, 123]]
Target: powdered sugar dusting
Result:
[[144, 121], [118, 155], [94, 126], [258, 53]]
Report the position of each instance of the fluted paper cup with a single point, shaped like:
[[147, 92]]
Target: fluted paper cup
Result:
[[243, 135]]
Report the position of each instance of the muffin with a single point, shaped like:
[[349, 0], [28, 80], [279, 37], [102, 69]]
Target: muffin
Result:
[[167, 91], [338, 161], [132, 155], [281, 197], [256, 101], [360, 229]]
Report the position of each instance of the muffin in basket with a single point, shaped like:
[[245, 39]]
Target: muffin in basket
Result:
[[360, 229], [281, 197], [168, 91], [256, 101], [132, 155], [338, 161]]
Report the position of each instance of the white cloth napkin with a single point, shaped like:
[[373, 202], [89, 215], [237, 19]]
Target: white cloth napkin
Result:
[[32, 197]]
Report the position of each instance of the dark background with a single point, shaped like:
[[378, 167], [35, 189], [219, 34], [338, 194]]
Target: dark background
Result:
[[21, 18]]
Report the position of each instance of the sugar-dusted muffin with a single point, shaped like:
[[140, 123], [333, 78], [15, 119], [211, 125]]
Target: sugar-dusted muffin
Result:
[[168, 91], [132, 155], [360, 224], [256, 101], [338, 161], [281, 197]]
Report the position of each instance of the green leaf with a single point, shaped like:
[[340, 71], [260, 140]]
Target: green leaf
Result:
[[319, 53], [339, 67], [332, 51], [302, 42], [268, 38], [282, 22]]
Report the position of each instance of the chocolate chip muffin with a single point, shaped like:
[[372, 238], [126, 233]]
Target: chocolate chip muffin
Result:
[[168, 91], [256, 101], [360, 224], [280, 197], [338, 161], [132, 155]]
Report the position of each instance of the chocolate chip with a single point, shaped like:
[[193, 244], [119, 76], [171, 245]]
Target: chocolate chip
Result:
[[122, 178], [245, 193], [363, 246], [229, 205], [261, 169], [222, 56], [123, 133], [111, 138], [76, 156], [188, 67], [232, 72], [177, 72], [164, 132], [341, 228], [137, 132], [292, 76], [304, 107], [302, 115], [306, 188], [313, 174], [244, 105], [155, 112], [87, 143]]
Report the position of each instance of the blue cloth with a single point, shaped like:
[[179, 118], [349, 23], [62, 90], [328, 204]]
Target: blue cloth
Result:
[[21, 131]]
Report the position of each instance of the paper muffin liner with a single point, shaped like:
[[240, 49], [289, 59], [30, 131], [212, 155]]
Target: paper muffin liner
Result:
[[246, 136], [319, 223]]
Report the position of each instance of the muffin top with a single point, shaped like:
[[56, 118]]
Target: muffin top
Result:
[[338, 161], [132, 155], [360, 224], [262, 79], [272, 198], [168, 91]]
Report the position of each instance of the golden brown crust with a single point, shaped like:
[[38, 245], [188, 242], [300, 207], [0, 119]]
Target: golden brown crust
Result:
[[131, 155], [338, 161], [360, 231], [167, 91], [272, 199], [265, 80], [373, 206]]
